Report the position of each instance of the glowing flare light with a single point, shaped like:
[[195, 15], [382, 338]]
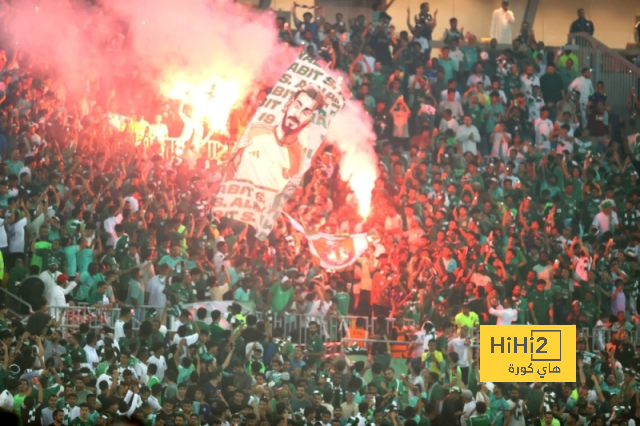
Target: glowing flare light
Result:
[[211, 102]]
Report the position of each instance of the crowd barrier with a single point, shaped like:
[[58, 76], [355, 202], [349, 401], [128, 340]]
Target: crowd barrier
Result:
[[172, 147], [336, 331]]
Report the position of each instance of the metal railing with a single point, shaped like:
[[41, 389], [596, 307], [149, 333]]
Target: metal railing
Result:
[[171, 148], [16, 303], [616, 72]]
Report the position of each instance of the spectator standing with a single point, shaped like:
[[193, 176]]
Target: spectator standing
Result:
[[501, 22], [552, 90], [582, 24], [584, 86]]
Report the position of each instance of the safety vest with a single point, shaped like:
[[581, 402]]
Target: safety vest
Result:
[[399, 350], [357, 333]]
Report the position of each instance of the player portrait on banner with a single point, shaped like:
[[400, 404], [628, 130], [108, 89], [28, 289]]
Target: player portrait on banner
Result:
[[278, 145], [274, 153]]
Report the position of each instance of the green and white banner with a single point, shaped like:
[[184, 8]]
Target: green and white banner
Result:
[[277, 147]]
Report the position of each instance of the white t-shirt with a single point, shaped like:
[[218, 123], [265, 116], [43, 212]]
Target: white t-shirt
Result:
[[219, 261], [469, 407], [505, 316], [158, 132], [16, 236], [104, 378], [110, 228], [92, 355], [118, 330], [155, 288], [161, 363], [543, 129], [605, 222], [564, 145], [462, 136], [4, 242], [460, 346]]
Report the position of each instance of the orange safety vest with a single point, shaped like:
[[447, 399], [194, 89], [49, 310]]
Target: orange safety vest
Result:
[[357, 333], [399, 350]]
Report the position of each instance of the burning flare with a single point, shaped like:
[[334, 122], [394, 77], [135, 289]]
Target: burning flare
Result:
[[211, 101]]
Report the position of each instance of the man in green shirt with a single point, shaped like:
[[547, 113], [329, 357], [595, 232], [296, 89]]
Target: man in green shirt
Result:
[[83, 418], [541, 305], [480, 418], [181, 290], [128, 263], [281, 296], [342, 299], [173, 259], [315, 345], [215, 329], [378, 380], [98, 299], [74, 348], [497, 404], [590, 308], [435, 393], [122, 243], [135, 293]]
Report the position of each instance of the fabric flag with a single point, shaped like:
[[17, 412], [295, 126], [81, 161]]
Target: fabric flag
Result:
[[336, 252], [276, 149]]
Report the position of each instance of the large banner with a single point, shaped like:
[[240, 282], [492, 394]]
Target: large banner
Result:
[[336, 252], [278, 145]]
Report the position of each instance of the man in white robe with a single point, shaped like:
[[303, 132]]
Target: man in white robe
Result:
[[501, 24]]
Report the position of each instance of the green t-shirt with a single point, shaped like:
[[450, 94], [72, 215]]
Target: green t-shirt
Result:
[[79, 422], [185, 295], [83, 258], [541, 302], [378, 381], [122, 246], [14, 167], [70, 255], [479, 420], [87, 282], [436, 393], [280, 298], [17, 404], [102, 368], [383, 359], [76, 351], [95, 298], [173, 263], [215, 331], [316, 345], [135, 292], [55, 389], [343, 300], [534, 399]]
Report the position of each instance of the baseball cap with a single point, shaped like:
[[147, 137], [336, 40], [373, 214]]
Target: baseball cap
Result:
[[62, 278]]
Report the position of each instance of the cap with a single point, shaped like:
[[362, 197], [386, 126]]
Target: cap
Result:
[[62, 278], [467, 393], [607, 203], [455, 389]]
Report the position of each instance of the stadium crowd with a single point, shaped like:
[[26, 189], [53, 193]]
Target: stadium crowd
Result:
[[507, 194]]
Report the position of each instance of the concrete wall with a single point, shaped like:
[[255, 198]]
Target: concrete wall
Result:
[[613, 19]]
